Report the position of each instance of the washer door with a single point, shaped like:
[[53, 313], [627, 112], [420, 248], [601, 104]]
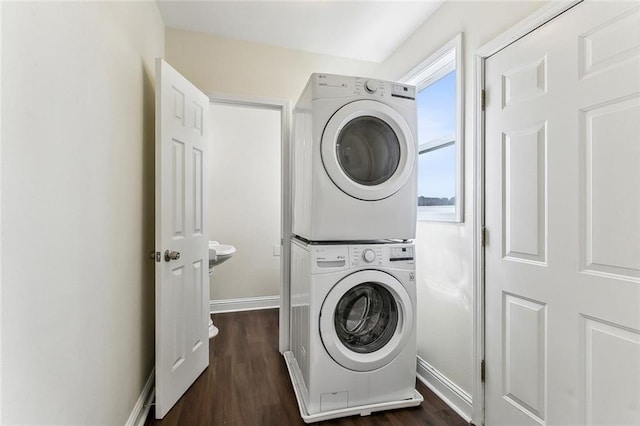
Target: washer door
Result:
[[368, 150], [365, 320]]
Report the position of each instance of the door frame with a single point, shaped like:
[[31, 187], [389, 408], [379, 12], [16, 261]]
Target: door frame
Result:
[[521, 29], [1, 240], [286, 212]]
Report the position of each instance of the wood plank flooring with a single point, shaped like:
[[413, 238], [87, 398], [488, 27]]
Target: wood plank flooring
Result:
[[247, 383]]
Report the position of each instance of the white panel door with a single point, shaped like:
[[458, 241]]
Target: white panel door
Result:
[[182, 279], [563, 218]]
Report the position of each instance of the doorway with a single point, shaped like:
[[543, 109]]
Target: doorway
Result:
[[245, 192]]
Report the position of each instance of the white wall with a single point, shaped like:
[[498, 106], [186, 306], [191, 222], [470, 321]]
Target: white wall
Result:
[[242, 68], [244, 199], [77, 209], [444, 250]]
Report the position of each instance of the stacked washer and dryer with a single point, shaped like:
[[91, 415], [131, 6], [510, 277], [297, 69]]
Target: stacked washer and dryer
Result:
[[353, 287]]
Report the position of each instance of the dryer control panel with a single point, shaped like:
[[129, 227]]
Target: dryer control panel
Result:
[[336, 86]]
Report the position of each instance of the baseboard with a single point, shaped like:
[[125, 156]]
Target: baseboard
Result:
[[456, 398], [244, 304], [141, 410]]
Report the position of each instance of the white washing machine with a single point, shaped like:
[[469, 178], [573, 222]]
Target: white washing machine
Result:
[[354, 160], [353, 333]]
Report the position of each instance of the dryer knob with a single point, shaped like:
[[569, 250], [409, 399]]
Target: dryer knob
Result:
[[368, 255], [371, 86]]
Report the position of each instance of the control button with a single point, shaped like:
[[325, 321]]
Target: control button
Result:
[[368, 255], [371, 86]]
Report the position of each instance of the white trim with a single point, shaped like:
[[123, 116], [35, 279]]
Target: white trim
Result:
[[1, 7], [460, 139], [453, 395], [250, 101], [140, 411], [521, 29], [286, 229], [286, 213], [434, 67], [524, 27], [478, 413], [436, 143], [244, 304]]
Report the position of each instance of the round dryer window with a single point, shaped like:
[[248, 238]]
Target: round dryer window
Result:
[[366, 320], [368, 150]]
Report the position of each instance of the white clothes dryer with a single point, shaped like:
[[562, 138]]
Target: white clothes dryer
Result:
[[354, 160], [353, 333]]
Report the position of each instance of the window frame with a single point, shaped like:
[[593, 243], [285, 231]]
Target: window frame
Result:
[[445, 60]]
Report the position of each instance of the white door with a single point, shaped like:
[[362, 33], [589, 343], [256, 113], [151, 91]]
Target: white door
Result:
[[182, 279], [563, 218]]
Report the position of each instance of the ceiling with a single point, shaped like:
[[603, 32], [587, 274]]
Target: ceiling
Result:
[[365, 30]]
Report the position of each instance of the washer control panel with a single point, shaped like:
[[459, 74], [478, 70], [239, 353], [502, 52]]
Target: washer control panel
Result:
[[337, 257], [401, 254], [366, 255], [395, 255]]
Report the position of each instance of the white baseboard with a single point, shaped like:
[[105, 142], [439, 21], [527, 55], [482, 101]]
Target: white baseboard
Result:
[[456, 398], [140, 411], [244, 304]]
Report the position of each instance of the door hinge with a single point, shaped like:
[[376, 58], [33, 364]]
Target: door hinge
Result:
[[483, 99], [482, 372], [485, 236]]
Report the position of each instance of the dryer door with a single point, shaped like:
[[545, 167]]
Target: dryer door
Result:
[[365, 320], [368, 150]]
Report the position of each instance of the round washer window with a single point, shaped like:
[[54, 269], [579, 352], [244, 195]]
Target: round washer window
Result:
[[366, 318], [368, 150]]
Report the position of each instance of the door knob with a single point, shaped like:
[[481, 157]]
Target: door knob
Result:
[[171, 255]]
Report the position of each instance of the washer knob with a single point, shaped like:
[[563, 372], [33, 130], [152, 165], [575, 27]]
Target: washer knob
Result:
[[368, 255], [371, 86]]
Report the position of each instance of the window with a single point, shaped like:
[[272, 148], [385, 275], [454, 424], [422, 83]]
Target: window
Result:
[[440, 160]]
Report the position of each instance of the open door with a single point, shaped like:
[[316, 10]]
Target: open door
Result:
[[182, 287]]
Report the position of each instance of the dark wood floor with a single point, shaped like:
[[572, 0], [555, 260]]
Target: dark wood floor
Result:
[[247, 383]]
